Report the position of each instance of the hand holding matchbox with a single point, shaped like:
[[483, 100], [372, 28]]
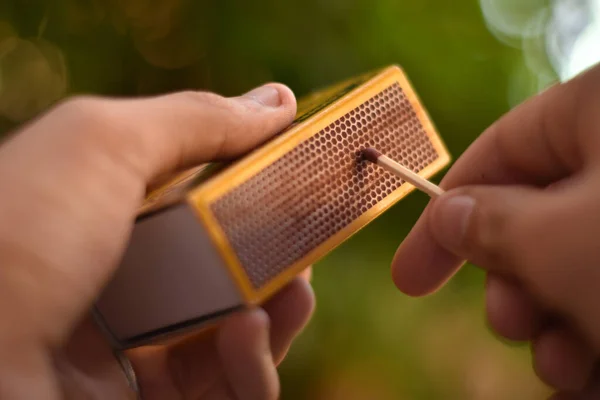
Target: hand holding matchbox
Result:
[[221, 238]]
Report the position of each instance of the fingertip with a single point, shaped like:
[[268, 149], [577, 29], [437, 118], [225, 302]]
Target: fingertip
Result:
[[290, 311], [247, 327], [307, 298], [420, 266], [287, 99], [510, 311], [244, 346], [307, 274], [562, 361], [296, 304]]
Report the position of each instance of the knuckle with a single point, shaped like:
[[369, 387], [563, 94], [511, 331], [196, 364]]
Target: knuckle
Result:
[[217, 103], [495, 236], [533, 254], [206, 99], [489, 229], [516, 246], [528, 259], [87, 119], [82, 110], [542, 266], [95, 130]]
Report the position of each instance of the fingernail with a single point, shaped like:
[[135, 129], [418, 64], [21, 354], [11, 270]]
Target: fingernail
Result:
[[266, 95], [450, 220]]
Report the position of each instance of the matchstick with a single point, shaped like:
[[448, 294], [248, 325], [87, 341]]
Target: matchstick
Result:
[[400, 171]]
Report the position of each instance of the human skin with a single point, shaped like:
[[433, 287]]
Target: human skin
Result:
[[523, 203], [71, 182]]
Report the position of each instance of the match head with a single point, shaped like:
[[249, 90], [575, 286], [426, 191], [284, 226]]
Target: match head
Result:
[[371, 154]]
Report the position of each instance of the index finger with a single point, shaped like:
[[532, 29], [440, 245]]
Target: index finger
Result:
[[542, 141]]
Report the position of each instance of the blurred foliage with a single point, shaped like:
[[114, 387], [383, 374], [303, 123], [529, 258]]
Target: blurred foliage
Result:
[[367, 341]]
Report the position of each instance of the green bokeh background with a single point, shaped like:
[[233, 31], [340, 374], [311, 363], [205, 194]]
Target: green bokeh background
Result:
[[366, 341]]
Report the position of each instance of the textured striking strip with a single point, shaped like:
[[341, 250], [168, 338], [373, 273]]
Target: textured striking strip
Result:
[[321, 186]]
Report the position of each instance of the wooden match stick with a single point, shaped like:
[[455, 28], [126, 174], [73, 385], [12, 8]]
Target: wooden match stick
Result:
[[400, 171]]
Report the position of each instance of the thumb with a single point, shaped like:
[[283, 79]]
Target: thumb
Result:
[[543, 238], [484, 224], [154, 136]]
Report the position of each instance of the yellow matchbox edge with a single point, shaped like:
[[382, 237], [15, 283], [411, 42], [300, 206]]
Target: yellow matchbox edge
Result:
[[216, 234], [201, 198], [255, 162]]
